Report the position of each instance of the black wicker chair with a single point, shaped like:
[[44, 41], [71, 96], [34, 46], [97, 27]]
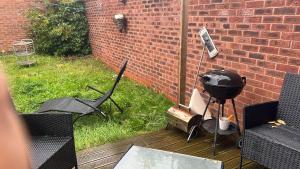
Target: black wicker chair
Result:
[[52, 140], [274, 147]]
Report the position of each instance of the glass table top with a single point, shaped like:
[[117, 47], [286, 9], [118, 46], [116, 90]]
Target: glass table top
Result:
[[146, 158]]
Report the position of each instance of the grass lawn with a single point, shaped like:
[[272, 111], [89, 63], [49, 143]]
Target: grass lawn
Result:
[[56, 77]]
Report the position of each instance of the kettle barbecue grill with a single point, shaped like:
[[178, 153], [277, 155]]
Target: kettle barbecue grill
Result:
[[222, 85]]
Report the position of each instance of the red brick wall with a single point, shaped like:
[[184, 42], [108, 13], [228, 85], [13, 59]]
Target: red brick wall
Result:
[[259, 39], [151, 43], [12, 22]]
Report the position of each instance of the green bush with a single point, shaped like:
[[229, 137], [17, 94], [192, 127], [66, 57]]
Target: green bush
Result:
[[60, 28]]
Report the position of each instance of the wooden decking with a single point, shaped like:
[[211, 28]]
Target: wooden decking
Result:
[[106, 156]]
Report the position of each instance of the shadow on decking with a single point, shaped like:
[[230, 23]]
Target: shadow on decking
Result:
[[106, 156]]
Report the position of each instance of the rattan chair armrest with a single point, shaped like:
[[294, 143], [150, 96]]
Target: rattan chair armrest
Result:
[[256, 115], [57, 125]]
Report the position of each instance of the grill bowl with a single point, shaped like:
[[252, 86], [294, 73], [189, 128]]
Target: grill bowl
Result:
[[223, 84]]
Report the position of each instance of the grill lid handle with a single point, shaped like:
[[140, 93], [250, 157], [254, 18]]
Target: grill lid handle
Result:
[[205, 78], [244, 80]]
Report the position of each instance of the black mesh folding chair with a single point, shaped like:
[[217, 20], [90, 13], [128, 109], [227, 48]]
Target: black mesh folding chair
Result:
[[83, 107]]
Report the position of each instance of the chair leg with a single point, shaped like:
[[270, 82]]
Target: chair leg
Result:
[[77, 118], [241, 159], [116, 105], [101, 113], [241, 163]]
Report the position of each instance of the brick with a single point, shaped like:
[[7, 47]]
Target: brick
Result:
[[263, 78], [296, 45], [232, 58], [256, 19], [297, 28], [292, 19], [254, 4], [242, 26], [203, 13], [220, 32], [216, 1], [285, 11], [253, 97], [235, 5], [294, 61], [242, 39], [263, 92], [222, 19], [234, 33], [287, 68], [266, 64], [272, 88], [289, 52], [278, 82], [254, 83], [226, 26], [209, 19], [277, 59], [252, 48], [292, 2], [239, 52], [276, 96], [275, 73], [257, 56], [239, 66], [259, 41], [280, 27], [280, 43], [264, 26], [272, 19], [215, 37], [270, 35], [263, 11], [236, 19], [290, 36], [248, 61], [227, 38], [255, 69], [250, 34], [271, 50], [274, 3]]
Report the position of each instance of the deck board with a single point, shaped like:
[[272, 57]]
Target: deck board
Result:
[[107, 156]]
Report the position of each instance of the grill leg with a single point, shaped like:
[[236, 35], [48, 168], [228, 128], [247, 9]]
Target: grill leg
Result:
[[216, 131], [236, 117], [222, 110], [205, 110]]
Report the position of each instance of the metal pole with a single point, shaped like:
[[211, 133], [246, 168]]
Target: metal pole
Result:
[[199, 66]]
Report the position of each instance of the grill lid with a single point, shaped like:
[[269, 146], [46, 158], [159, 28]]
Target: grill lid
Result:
[[223, 78]]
